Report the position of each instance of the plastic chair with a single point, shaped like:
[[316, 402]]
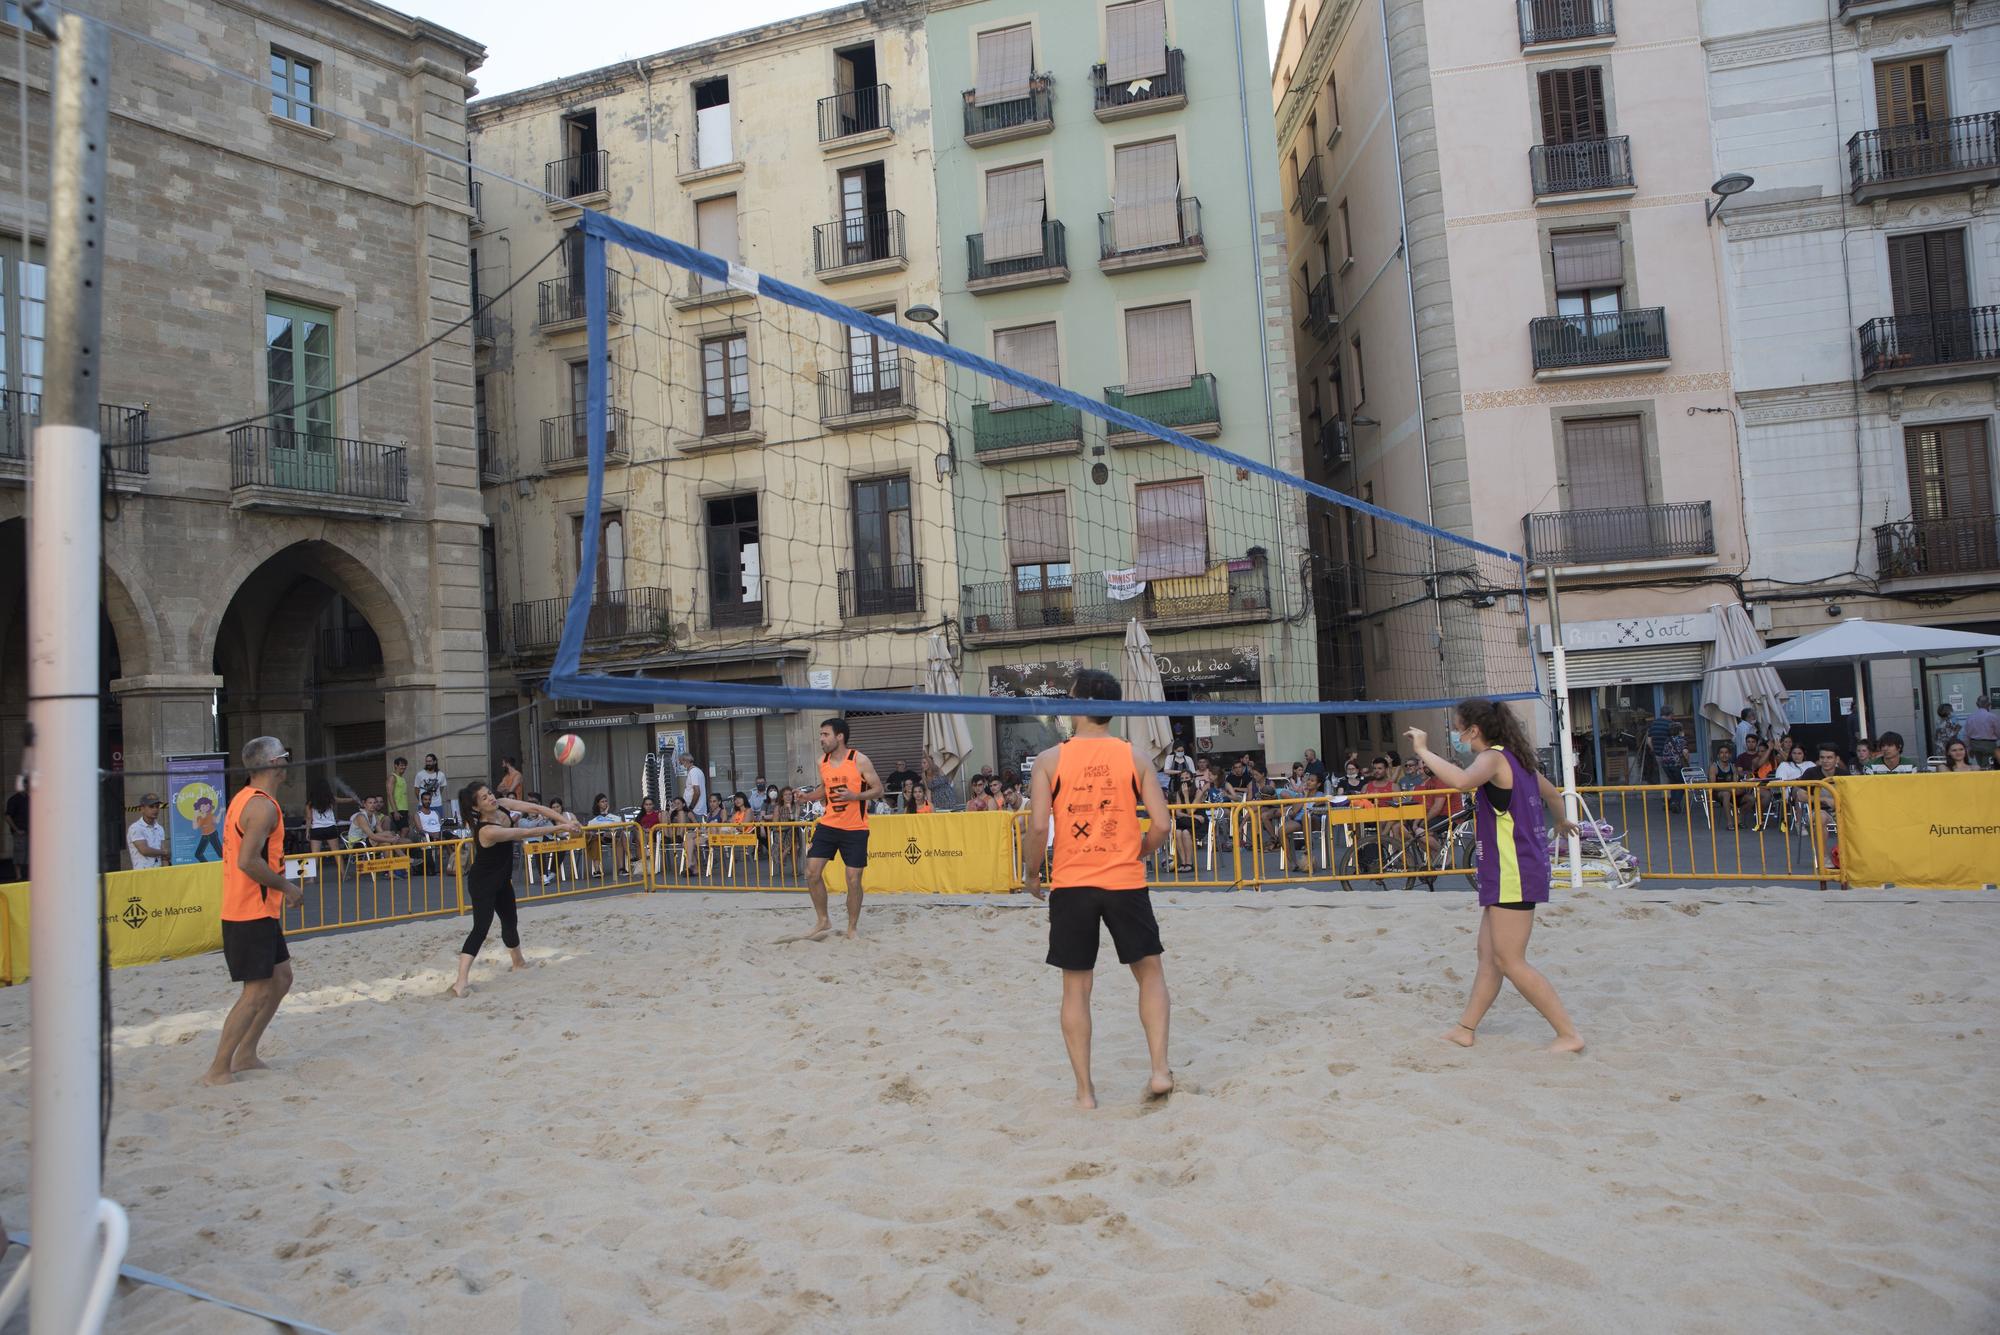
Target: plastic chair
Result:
[[1693, 777]]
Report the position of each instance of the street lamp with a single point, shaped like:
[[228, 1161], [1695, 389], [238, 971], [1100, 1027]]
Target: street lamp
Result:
[[1735, 183], [926, 314]]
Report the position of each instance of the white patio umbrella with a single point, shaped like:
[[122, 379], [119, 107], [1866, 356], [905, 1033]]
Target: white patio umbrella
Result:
[[947, 741], [1730, 690], [1151, 733], [1859, 640]]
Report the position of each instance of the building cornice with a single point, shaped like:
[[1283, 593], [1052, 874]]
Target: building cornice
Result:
[[1797, 403], [1310, 73], [1814, 40]]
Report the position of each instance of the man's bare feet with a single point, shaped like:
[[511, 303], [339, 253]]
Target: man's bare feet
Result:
[[238, 1066], [1458, 1034], [1567, 1043], [1160, 1087], [217, 1078], [854, 934]]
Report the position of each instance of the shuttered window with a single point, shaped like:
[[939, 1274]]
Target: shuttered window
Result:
[[1950, 469], [715, 228], [1911, 92], [1159, 347], [1146, 194], [1038, 529], [1016, 203], [1173, 529], [1606, 458], [1006, 63], [1588, 260], [1135, 39], [1030, 350], [1572, 105], [1927, 273]]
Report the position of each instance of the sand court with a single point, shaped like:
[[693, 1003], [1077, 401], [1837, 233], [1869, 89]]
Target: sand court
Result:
[[1783, 1123]]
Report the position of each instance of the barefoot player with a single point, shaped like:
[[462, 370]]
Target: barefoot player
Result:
[[255, 895], [847, 784], [1092, 786]]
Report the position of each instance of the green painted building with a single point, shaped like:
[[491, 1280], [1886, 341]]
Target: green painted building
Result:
[[1101, 228]]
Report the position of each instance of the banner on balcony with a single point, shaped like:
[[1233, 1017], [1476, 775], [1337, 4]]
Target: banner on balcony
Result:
[[1123, 584], [1920, 831], [196, 799]]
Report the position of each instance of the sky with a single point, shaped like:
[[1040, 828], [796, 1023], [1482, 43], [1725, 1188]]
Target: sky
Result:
[[527, 45]]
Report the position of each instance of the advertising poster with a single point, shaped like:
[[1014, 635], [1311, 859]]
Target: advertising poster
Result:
[[196, 798]]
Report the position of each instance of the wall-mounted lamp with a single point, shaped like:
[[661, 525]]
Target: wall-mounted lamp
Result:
[[926, 314], [1733, 184], [1360, 420]]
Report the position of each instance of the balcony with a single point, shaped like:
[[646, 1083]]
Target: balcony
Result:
[[579, 181], [1190, 407], [566, 439], [1938, 549], [1231, 592], [1050, 264], [1590, 169], [874, 591], [560, 303], [1569, 347], [1681, 532], [863, 392], [492, 468], [1321, 318], [1140, 97], [737, 612], [1013, 118], [1903, 350], [485, 332], [855, 247], [1026, 431], [1862, 13], [615, 614], [349, 649], [695, 290], [121, 431], [1335, 442], [277, 468], [1922, 159], [478, 209], [858, 116], [1561, 24], [1309, 200], [1151, 237]]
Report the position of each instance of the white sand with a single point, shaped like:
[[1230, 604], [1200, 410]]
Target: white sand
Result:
[[1784, 1123]]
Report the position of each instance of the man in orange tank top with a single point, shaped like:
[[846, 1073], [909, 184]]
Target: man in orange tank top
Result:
[[1092, 787], [847, 784], [255, 895]]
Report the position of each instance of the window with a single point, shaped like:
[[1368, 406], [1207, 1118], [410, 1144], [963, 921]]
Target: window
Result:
[[1572, 105], [1006, 65], [582, 166], [610, 571], [713, 124], [21, 347], [1146, 195], [578, 388], [1038, 553], [294, 85], [1360, 377], [864, 214], [1589, 274], [1911, 92], [735, 564], [1346, 236], [1927, 278], [1135, 40], [1312, 131], [1030, 350], [1173, 529], [715, 232], [885, 572], [725, 384], [1604, 463], [1951, 473], [859, 105], [1159, 347], [874, 371], [1016, 207], [299, 369], [1333, 105]]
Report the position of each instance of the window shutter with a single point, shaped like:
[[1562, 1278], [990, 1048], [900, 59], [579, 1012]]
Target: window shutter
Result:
[[1146, 195], [1909, 275], [1929, 98], [1588, 259], [1553, 90], [1038, 529], [715, 228], [1892, 93], [1572, 105], [1135, 38], [1015, 206], [1031, 351], [1945, 257], [1951, 471], [1159, 347], [1173, 530], [1006, 64], [1592, 122], [1606, 463]]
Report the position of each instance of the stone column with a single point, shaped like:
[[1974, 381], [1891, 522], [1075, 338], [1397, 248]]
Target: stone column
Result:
[[165, 714]]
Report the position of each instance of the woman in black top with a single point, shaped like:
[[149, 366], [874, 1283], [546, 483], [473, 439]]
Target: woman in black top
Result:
[[490, 884]]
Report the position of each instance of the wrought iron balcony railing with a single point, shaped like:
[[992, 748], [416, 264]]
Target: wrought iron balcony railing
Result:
[[866, 387], [863, 239], [729, 607], [1320, 315], [1911, 153], [1189, 404], [1310, 197], [615, 614], [1158, 88], [1590, 164], [996, 427], [578, 177], [492, 467], [566, 439], [1943, 338], [857, 111], [1969, 545], [882, 590], [563, 300], [1145, 231], [1054, 254], [1602, 338], [121, 431], [283, 459], [1020, 115], [1565, 20], [1621, 533], [1083, 602]]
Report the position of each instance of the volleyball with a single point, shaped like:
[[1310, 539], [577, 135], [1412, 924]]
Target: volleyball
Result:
[[569, 749]]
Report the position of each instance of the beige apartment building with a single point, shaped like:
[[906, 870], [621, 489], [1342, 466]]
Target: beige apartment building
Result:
[[1513, 325], [778, 506]]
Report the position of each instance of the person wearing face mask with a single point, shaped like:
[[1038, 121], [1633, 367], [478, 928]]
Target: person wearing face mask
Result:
[[1179, 764], [1353, 778]]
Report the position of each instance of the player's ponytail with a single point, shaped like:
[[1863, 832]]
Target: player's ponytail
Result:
[[1497, 724]]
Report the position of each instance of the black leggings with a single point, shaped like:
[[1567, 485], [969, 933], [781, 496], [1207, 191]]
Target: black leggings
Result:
[[482, 919]]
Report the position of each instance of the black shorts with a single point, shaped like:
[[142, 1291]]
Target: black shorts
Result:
[[852, 845], [1528, 907], [1074, 913], [254, 949]]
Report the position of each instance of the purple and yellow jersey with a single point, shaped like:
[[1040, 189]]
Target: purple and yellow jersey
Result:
[[1513, 845]]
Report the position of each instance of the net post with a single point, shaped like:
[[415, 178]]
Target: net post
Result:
[[1559, 713]]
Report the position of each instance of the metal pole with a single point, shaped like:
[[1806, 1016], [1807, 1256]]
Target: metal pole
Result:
[[1567, 744], [64, 557]]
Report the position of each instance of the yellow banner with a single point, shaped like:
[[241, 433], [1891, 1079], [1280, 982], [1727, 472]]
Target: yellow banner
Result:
[[1920, 831], [164, 914], [956, 853]]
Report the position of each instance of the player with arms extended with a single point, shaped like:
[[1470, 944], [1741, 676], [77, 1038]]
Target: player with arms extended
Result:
[[847, 784], [1092, 787]]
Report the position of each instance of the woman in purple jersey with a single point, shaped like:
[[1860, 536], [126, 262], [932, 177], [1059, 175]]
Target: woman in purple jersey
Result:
[[1508, 814]]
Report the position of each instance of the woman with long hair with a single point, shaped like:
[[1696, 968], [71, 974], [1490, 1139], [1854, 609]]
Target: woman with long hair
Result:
[[612, 849], [490, 884], [1958, 757], [1184, 816], [1510, 796], [322, 820]]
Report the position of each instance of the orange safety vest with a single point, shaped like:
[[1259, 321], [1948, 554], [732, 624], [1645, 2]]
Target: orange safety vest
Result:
[[243, 900], [1094, 802], [851, 814]]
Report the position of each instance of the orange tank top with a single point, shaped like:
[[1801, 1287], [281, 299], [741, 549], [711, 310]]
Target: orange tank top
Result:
[[843, 773], [1095, 801], [243, 900]]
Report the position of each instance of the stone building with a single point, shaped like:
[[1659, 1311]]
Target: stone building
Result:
[[314, 574], [778, 508]]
